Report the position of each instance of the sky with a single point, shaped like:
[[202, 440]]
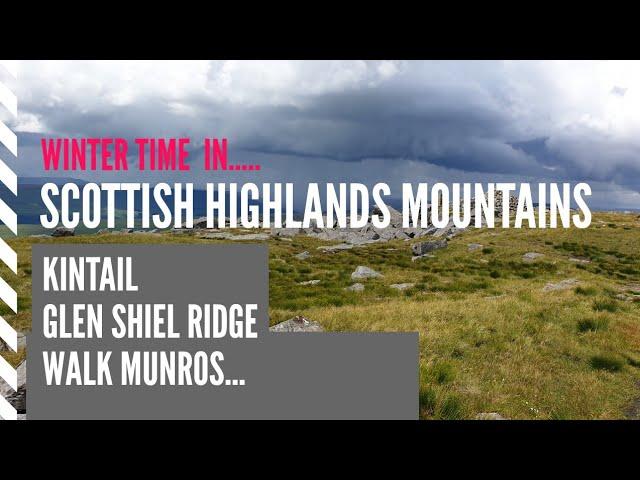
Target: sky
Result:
[[353, 121]]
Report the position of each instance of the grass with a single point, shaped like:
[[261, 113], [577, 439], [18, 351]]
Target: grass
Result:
[[491, 340], [593, 324], [586, 291], [605, 306], [610, 363]]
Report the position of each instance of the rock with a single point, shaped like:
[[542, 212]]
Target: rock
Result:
[[421, 248], [530, 256], [562, 285], [394, 215], [472, 247], [200, 223], [17, 398], [579, 260], [360, 238], [632, 297], [402, 286], [126, 230], [356, 287], [335, 248], [364, 272], [489, 416], [297, 324], [286, 232], [250, 236], [63, 232], [309, 282], [302, 256], [446, 230]]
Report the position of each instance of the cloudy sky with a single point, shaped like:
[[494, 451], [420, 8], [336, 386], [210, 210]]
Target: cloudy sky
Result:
[[357, 121]]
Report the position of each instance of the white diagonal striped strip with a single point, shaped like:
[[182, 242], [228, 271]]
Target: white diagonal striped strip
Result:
[[8, 217], [7, 294], [9, 100], [9, 139], [9, 335], [10, 66], [8, 256], [9, 374], [9, 178], [7, 412]]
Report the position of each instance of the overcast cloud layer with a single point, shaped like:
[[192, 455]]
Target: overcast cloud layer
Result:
[[357, 121]]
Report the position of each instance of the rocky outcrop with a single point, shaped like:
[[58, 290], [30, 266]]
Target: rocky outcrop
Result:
[[356, 287], [297, 324], [402, 286], [364, 272], [562, 285], [422, 248], [63, 232]]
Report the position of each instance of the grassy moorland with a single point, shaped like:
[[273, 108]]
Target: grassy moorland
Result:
[[492, 338]]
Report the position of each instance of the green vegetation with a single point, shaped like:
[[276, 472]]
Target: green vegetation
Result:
[[593, 324], [610, 363], [491, 338]]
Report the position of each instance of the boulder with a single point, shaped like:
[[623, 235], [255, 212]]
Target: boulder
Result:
[[579, 260], [562, 285], [63, 232], [402, 286], [297, 324], [489, 416], [336, 248], [309, 282], [474, 246], [356, 287], [364, 272], [394, 215], [531, 256], [200, 222], [446, 230], [421, 248], [286, 232], [302, 256], [250, 236]]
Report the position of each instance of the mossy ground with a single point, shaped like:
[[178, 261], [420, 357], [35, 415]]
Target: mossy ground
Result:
[[491, 340]]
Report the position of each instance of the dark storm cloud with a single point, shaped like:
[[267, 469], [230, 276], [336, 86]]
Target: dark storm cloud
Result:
[[502, 119]]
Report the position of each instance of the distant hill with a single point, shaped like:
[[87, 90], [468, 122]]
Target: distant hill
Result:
[[29, 206]]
